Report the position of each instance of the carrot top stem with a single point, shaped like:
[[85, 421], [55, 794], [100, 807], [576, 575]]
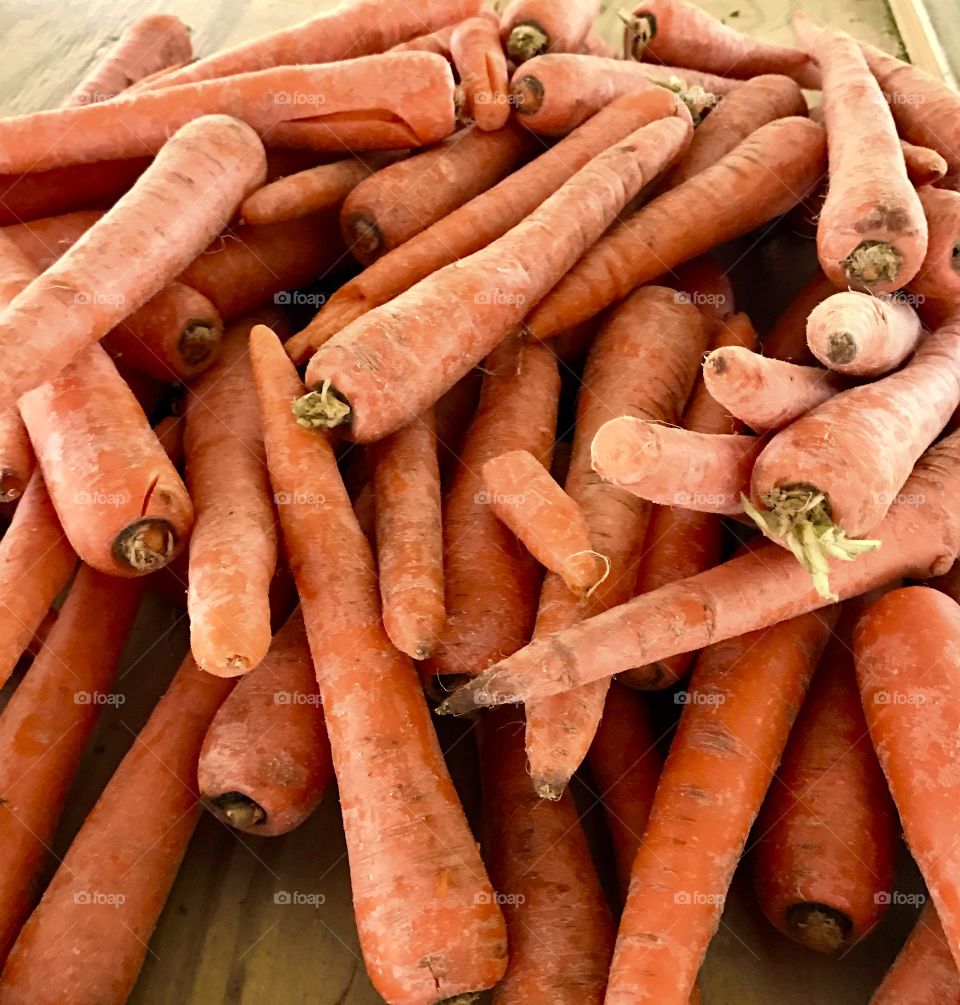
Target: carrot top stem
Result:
[[873, 262], [240, 810], [526, 40], [824, 928], [197, 342], [697, 98], [323, 409], [799, 517], [146, 545]]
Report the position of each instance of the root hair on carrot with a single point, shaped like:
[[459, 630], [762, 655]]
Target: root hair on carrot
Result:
[[323, 409], [146, 545], [606, 571]]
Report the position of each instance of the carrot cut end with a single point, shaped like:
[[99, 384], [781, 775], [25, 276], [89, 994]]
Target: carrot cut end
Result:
[[198, 344], [552, 790], [526, 40], [11, 485], [146, 545], [872, 263], [238, 810], [819, 927], [323, 409], [640, 29]]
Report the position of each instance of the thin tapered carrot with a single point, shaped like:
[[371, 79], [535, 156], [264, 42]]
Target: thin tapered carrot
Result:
[[787, 340], [744, 696], [482, 68], [559, 928], [874, 240], [939, 276], [233, 547], [119, 869], [403, 199], [758, 180], [415, 347], [657, 339], [672, 31], [70, 681], [265, 761], [905, 648], [409, 536], [154, 42], [361, 28], [924, 972], [924, 166], [434, 41], [419, 888], [920, 537], [531, 27], [491, 580], [482, 220], [550, 524], [823, 864]]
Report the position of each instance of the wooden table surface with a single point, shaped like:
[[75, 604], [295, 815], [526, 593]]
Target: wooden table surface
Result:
[[224, 936]]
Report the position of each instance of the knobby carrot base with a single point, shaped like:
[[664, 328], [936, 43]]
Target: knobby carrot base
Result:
[[146, 545]]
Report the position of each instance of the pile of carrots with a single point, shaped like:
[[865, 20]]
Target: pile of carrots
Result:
[[395, 347]]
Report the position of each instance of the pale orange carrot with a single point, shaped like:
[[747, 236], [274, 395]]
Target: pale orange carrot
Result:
[[482, 68]]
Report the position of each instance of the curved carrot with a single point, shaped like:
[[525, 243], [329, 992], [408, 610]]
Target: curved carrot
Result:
[[265, 761], [414, 349], [787, 340], [531, 27], [757, 181], [419, 888], [924, 166], [924, 972], [434, 41], [482, 68], [939, 276]]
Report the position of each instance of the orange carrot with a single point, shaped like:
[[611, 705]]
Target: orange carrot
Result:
[[265, 761], [531, 27], [118, 871], [924, 972], [939, 276], [742, 701], [45, 240], [45, 728], [452, 416], [482, 220], [403, 199], [905, 648], [672, 31], [414, 348], [823, 866], [594, 44], [419, 888], [875, 240], [559, 927], [924, 166], [700, 87], [707, 286], [757, 181], [435, 41], [482, 68], [787, 340], [406, 488], [153, 42]]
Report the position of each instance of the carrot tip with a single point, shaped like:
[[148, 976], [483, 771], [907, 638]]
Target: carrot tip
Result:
[[549, 790], [240, 810], [841, 347], [11, 485], [146, 545], [819, 927], [526, 40], [366, 237], [323, 409], [872, 262], [198, 343]]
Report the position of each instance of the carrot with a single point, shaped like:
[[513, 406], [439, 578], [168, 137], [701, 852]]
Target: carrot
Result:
[[233, 548], [787, 340], [706, 285], [317, 188], [435, 41], [757, 181], [265, 761], [531, 27], [763, 392], [45, 240], [924, 166], [860, 335], [742, 701], [452, 416], [877, 239], [594, 44], [671, 31], [923, 972], [549, 523], [905, 652], [419, 888], [361, 28], [45, 728], [823, 865], [153, 42], [491, 581], [414, 348], [833, 474], [482, 68], [409, 536], [709, 472], [920, 537], [559, 927], [939, 276], [632, 369], [403, 199], [120, 867], [482, 220], [754, 104], [702, 87]]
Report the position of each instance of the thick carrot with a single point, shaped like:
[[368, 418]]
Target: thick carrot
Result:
[[920, 537], [403, 199], [735, 117], [939, 276], [672, 31], [823, 865], [265, 761], [233, 548], [153, 42], [406, 489], [758, 180], [863, 336], [743, 698], [923, 972], [550, 524], [419, 888], [482, 220], [415, 348], [559, 927], [491, 580], [45, 728], [531, 27], [632, 369], [482, 68], [905, 648], [872, 233], [118, 871], [787, 340]]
